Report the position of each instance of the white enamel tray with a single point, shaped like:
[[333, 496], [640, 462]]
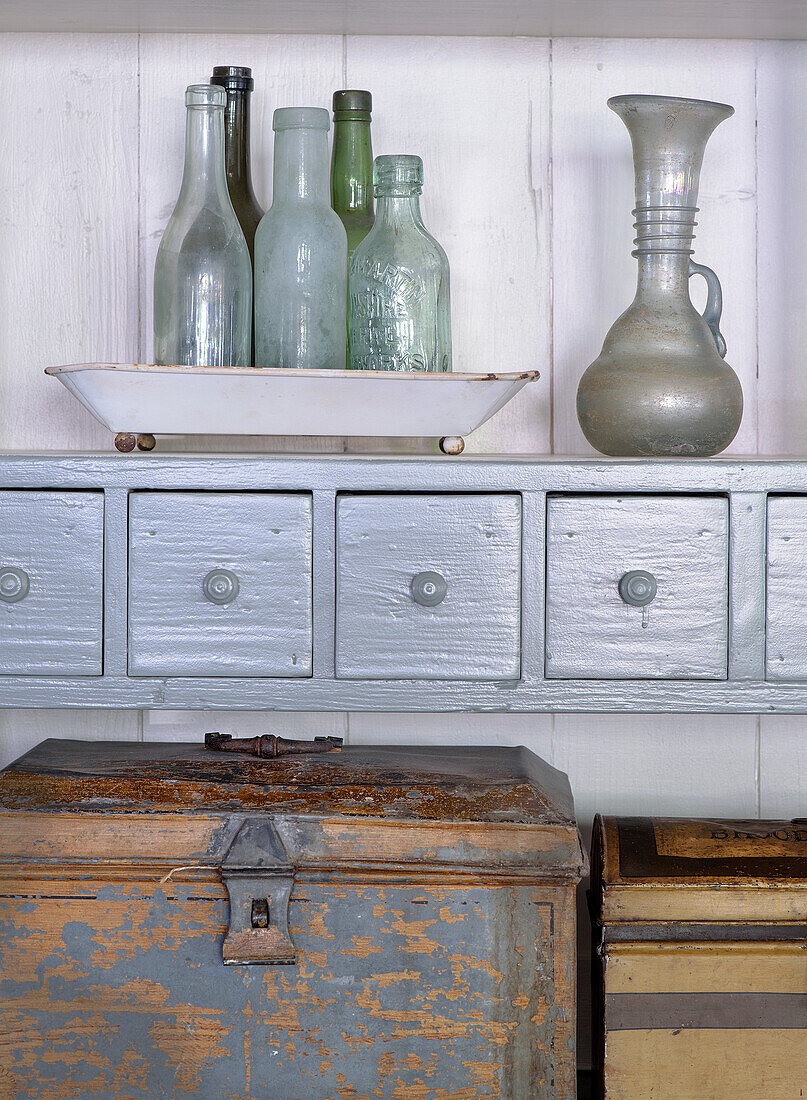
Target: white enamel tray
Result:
[[140, 400]]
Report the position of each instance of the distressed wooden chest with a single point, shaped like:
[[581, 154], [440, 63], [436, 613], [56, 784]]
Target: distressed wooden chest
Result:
[[700, 964], [398, 923]]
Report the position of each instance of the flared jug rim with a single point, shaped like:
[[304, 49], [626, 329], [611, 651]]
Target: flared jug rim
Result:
[[639, 99]]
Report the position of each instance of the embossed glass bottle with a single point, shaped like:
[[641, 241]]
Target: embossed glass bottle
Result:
[[400, 313], [300, 252], [203, 275]]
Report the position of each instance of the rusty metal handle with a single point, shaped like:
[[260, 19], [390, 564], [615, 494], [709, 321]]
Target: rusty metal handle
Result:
[[267, 746]]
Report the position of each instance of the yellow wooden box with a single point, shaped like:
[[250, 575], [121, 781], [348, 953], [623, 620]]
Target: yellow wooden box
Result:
[[700, 959]]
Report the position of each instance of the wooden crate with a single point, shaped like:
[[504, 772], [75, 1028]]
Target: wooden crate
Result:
[[399, 922], [700, 959]]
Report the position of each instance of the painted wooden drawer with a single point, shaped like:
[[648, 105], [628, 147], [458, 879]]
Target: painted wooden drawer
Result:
[[429, 586], [51, 583], [637, 587], [786, 604], [220, 584]]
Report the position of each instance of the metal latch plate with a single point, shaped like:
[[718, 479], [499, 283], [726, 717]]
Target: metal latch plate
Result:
[[259, 877]]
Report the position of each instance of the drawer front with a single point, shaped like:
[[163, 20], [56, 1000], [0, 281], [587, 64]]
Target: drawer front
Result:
[[786, 589], [51, 583], [637, 587], [220, 584], [429, 587]]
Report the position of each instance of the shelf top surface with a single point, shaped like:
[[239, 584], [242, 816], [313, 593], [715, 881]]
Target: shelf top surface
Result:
[[775, 19]]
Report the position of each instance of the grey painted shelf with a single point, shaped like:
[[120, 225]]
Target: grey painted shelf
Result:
[[367, 583]]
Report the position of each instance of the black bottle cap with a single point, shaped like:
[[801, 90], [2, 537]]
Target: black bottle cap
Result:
[[235, 78], [348, 102]]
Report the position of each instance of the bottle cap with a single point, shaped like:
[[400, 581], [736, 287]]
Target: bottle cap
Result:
[[400, 174], [235, 78], [301, 118], [349, 103], [205, 95]]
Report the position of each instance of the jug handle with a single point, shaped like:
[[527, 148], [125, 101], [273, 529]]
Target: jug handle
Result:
[[714, 303]]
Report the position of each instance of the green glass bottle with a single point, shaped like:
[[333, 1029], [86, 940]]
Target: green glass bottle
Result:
[[352, 171], [352, 165], [237, 79], [238, 83]]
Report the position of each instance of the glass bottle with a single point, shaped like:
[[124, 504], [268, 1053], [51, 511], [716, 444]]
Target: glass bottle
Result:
[[238, 83], [202, 276], [352, 165], [300, 252], [400, 313]]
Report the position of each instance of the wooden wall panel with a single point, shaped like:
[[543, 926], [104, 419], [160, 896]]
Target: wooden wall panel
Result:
[[21, 730], [68, 231], [592, 198], [782, 244]]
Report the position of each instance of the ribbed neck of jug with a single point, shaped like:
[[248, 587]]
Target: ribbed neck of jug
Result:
[[669, 137]]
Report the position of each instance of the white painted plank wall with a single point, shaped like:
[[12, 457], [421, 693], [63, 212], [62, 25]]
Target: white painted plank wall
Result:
[[529, 187]]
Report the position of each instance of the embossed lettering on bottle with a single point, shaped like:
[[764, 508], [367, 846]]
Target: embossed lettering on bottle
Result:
[[399, 281]]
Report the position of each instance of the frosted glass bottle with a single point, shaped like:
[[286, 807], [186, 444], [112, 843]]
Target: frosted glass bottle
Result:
[[300, 252], [203, 275], [400, 311]]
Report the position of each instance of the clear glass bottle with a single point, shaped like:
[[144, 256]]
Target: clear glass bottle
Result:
[[300, 252], [400, 312], [352, 164], [203, 276]]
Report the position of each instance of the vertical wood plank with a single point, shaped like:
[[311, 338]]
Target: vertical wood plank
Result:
[[68, 233], [782, 237], [594, 274], [477, 112], [289, 70]]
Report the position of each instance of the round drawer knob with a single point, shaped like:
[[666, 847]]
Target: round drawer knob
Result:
[[638, 588], [428, 589], [14, 584], [220, 586]]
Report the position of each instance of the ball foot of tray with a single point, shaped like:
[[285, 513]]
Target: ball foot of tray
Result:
[[452, 444], [127, 441]]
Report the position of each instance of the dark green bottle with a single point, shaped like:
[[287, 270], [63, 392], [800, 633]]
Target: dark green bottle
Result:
[[352, 165], [237, 79]]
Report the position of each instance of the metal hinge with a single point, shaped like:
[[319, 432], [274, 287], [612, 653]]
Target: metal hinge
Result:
[[259, 877]]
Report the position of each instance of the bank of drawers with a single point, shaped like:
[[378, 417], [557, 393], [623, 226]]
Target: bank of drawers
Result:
[[428, 586]]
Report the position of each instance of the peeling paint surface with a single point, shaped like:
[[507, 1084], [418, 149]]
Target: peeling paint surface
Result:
[[400, 993]]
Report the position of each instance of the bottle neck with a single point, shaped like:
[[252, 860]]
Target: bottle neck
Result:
[[663, 242], [204, 153], [662, 274], [399, 211], [300, 166], [237, 144], [352, 174]]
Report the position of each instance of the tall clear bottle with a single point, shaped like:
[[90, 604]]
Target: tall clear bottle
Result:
[[300, 252], [400, 311], [203, 276], [352, 164]]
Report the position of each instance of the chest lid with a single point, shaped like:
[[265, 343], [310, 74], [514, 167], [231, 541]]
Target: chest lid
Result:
[[698, 871], [502, 810]]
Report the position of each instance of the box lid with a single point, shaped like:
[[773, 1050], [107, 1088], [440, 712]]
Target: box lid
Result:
[[698, 871], [503, 809]]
